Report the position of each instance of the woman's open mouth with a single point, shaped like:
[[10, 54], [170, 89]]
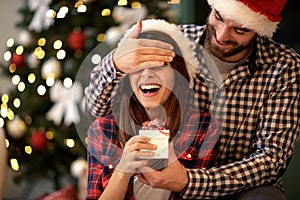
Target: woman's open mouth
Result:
[[150, 89]]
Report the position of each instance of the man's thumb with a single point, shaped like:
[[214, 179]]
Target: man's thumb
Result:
[[137, 29]]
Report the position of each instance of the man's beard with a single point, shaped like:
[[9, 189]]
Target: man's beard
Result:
[[219, 52]]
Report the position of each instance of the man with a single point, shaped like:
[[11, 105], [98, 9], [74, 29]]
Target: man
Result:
[[257, 100]]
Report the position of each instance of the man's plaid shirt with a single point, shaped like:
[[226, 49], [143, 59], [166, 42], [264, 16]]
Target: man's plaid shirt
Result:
[[258, 108], [195, 146]]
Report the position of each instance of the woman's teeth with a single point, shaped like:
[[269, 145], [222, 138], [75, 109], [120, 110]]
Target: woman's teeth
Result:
[[149, 88]]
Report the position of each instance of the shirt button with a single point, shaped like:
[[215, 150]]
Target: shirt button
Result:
[[189, 156], [110, 166]]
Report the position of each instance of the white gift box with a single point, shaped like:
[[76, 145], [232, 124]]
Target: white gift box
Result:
[[159, 138]]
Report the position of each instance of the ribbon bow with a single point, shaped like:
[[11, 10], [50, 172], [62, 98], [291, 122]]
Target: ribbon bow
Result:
[[66, 100], [155, 124]]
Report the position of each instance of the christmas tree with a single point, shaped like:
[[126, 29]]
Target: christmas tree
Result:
[[49, 64]]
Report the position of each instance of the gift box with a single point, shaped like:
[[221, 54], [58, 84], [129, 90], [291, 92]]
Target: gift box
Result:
[[161, 139]]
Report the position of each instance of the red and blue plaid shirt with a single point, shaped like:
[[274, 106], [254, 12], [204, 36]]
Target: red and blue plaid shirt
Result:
[[195, 146]]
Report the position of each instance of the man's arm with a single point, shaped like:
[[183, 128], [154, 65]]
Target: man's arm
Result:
[[98, 94]]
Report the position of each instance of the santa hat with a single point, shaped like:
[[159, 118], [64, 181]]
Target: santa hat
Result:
[[176, 34], [262, 16]]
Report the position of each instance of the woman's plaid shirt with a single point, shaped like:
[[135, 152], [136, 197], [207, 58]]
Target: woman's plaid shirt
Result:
[[195, 146], [257, 106]]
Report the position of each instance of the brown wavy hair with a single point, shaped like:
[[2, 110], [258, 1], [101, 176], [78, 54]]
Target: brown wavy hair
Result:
[[130, 113]]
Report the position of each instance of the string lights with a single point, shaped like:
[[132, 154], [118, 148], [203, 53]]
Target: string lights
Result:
[[46, 58]]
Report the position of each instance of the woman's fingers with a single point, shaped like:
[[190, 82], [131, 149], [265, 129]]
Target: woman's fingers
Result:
[[138, 138], [139, 143]]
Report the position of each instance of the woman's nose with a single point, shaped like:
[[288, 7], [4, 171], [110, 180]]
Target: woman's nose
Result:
[[147, 73]]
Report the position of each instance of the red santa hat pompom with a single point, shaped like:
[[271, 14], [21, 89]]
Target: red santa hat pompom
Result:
[[262, 16]]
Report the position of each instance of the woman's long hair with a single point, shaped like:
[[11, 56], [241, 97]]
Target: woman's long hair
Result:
[[129, 113]]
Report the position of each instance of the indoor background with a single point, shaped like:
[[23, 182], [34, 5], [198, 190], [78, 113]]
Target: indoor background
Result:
[[189, 11]]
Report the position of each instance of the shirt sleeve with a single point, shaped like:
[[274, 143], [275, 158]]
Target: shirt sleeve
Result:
[[94, 185], [103, 154], [104, 78]]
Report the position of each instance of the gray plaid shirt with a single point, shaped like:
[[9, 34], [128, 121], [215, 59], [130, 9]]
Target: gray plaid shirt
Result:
[[258, 106]]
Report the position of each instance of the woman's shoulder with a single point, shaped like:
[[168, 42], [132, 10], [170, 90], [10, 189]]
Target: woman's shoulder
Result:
[[105, 124], [109, 119]]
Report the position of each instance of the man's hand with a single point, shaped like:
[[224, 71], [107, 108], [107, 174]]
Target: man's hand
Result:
[[134, 54], [174, 177]]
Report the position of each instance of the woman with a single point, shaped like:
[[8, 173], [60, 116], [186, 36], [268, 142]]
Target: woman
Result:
[[116, 151]]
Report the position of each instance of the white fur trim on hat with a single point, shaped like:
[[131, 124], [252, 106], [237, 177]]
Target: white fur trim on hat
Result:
[[248, 18], [176, 34]]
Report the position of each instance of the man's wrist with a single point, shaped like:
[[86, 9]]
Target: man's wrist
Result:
[[186, 185], [113, 60]]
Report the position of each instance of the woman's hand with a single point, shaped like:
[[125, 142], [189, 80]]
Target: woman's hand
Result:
[[136, 148]]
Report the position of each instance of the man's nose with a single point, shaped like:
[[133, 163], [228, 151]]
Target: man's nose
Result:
[[223, 33]]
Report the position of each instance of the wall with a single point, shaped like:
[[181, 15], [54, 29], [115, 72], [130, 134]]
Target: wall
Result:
[[291, 178], [9, 16]]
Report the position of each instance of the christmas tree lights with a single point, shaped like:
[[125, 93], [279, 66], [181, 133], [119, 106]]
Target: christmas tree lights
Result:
[[40, 113]]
